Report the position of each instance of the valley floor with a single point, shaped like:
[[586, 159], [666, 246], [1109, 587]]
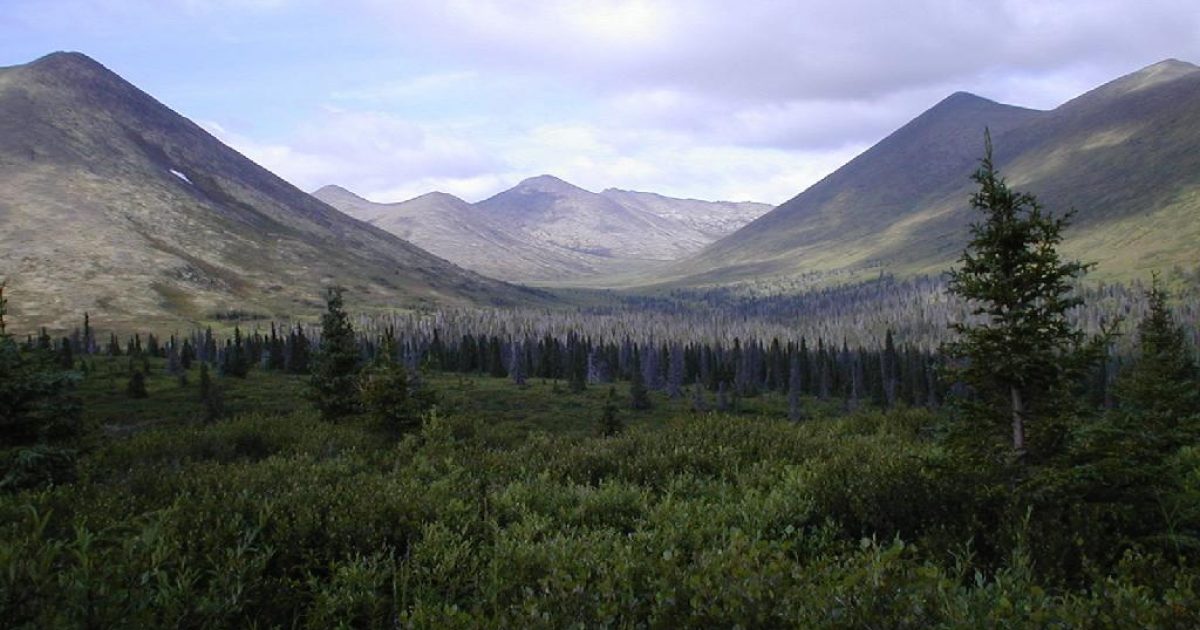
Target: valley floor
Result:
[[509, 509]]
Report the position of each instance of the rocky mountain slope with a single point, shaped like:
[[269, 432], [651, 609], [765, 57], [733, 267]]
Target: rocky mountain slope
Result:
[[459, 232], [547, 230], [713, 219], [112, 203]]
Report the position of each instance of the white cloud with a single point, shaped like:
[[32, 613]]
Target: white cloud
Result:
[[705, 98], [417, 87], [764, 49], [365, 150]]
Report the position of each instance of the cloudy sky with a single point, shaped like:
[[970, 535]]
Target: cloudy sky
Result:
[[755, 99]]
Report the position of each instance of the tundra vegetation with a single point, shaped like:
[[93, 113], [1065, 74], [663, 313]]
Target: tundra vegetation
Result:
[[469, 468]]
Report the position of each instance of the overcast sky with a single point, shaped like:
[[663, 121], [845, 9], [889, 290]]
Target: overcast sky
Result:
[[712, 99]]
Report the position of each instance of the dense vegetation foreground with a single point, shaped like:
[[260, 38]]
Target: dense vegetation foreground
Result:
[[515, 512], [138, 490]]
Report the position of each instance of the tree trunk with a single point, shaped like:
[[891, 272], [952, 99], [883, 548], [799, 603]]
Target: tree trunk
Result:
[[1018, 419]]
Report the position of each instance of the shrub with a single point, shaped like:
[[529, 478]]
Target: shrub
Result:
[[36, 466]]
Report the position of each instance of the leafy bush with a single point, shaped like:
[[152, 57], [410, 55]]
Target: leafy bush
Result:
[[709, 521], [35, 467]]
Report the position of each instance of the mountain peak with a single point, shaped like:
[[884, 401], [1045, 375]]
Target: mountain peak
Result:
[[1161, 72], [1171, 63], [961, 99], [66, 62], [333, 189], [1151, 76], [547, 183], [438, 195], [337, 196], [76, 75]]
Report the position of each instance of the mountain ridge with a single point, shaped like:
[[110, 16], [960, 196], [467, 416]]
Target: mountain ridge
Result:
[[169, 224], [545, 229], [1121, 150]]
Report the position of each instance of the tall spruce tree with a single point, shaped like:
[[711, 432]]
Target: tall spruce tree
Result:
[[237, 358], [1020, 358], [299, 359], [211, 396], [610, 424], [796, 411], [639, 397], [333, 386]]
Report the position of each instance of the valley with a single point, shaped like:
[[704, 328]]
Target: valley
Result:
[[954, 383]]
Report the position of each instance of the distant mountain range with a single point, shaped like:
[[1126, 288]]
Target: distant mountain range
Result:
[[1125, 156], [545, 229], [112, 203]]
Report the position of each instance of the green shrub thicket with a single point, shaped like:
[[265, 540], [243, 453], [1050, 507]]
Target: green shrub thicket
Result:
[[711, 520]]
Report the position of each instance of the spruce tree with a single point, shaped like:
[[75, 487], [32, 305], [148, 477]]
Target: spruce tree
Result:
[[639, 397], [37, 400], [796, 411], [87, 333], [237, 357], [675, 369], [395, 399], [299, 360], [174, 366], [211, 396], [517, 365], [889, 367], [335, 365], [1161, 388], [275, 354], [610, 424], [698, 404], [186, 355], [1020, 358], [66, 358], [137, 385]]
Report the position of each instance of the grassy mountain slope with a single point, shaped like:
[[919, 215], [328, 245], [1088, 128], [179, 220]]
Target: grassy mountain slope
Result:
[[1124, 156], [112, 203]]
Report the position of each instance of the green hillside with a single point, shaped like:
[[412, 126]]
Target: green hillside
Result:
[[1124, 156]]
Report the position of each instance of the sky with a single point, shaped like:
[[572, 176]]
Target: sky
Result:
[[708, 99]]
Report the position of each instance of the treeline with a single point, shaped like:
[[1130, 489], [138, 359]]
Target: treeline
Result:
[[884, 376], [918, 312], [713, 375], [715, 346]]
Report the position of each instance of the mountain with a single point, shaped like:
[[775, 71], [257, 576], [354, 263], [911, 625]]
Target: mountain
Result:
[[547, 230], [112, 203], [457, 231], [713, 219], [1125, 156], [562, 214]]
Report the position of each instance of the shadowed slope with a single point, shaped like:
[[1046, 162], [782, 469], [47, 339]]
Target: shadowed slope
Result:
[[1126, 156], [110, 202]]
